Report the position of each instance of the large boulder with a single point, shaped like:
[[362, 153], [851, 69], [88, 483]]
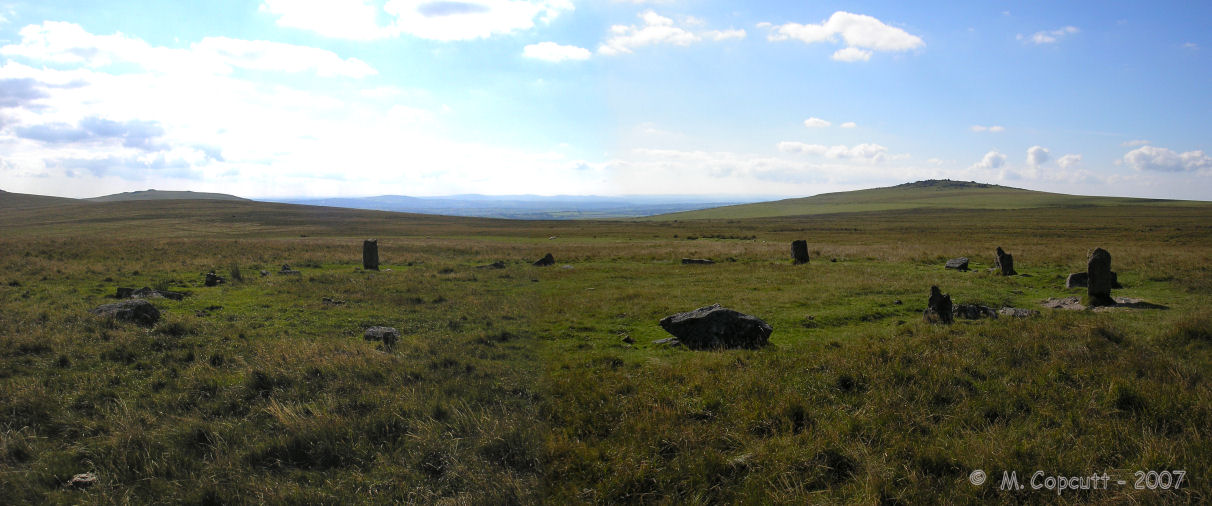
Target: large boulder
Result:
[[959, 264], [1003, 263], [799, 251], [136, 311], [715, 327], [1098, 274], [938, 307]]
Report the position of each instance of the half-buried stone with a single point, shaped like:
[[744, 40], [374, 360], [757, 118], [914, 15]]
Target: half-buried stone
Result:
[[716, 327]]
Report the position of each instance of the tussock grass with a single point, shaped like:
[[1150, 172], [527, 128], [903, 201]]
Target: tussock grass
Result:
[[516, 385]]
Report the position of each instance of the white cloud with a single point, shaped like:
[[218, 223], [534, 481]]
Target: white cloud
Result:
[[1190, 45], [991, 160], [552, 52], [718, 35], [68, 43], [1152, 158], [1037, 155], [849, 124], [861, 34], [1134, 143], [866, 152], [816, 123], [427, 19], [991, 129], [657, 29], [852, 54], [344, 19], [1048, 36], [1069, 161]]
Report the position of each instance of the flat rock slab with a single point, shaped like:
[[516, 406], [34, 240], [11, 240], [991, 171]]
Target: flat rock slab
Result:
[[135, 311], [716, 327], [974, 311], [1075, 304], [959, 264], [1015, 312], [148, 293], [701, 261]]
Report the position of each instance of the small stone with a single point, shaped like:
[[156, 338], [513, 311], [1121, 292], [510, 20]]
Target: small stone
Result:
[[495, 265], [701, 261], [389, 335], [264, 273], [545, 261], [288, 271], [628, 340], [1015, 312], [974, 311], [213, 279], [82, 480]]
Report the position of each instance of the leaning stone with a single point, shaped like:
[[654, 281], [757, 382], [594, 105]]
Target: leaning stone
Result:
[[389, 335], [702, 261], [136, 311], [545, 261], [799, 251], [715, 327], [974, 311], [959, 264], [370, 254], [938, 308], [82, 480], [1003, 264], [1098, 272]]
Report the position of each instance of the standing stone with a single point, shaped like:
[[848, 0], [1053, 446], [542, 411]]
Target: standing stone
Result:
[[799, 251], [370, 254], [938, 308], [1004, 263], [545, 261], [1098, 279], [959, 264]]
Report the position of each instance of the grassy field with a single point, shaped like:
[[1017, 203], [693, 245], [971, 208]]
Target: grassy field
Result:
[[542, 385], [933, 194]]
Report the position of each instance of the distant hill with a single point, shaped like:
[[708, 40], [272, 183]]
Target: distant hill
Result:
[[9, 200], [163, 195], [929, 194], [525, 207]]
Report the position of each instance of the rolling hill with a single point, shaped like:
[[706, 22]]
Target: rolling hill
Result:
[[929, 194], [9, 200], [163, 195]]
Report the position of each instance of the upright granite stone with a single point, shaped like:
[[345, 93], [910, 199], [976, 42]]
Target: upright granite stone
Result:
[[1004, 263], [938, 308], [136, 311], [799, 251], [370, 254], [959, 264], [715, 327], [545, 261], [1098, 278]]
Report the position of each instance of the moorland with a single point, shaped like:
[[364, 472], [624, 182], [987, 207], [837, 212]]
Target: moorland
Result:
[[533, 384]]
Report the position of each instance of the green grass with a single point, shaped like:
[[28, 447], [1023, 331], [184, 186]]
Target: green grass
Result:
[[921, 195], [516, 385]]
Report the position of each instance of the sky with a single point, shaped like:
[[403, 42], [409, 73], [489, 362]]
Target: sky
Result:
[[314, 98]]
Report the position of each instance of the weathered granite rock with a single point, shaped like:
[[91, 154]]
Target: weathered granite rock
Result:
[[136, 311], [1015, 312], [959, 264], [974, 311], [370, 254], [389, 335], [938, 308], [288, 271], [213, 279], [545, 261], [702, 261], [1082, 280], [148, 293], [1003, 264], [715, 327], [799, 251], [1098, 274], [82, 480]]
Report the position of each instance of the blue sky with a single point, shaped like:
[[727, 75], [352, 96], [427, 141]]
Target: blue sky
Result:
[[275, 98]]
